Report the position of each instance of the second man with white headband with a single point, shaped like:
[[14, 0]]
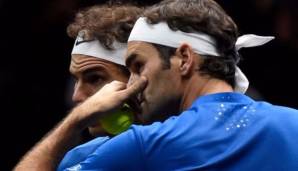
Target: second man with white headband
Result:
[[188, 51], [100, 33]]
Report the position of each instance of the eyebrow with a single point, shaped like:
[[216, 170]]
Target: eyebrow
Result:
[[91, 70], [130, 59], [88, 70]]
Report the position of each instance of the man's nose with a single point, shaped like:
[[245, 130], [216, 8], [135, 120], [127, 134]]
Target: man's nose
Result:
[[79, 94], [132, 79]]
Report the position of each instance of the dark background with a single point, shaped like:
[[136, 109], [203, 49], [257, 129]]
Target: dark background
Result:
[[35, 54]]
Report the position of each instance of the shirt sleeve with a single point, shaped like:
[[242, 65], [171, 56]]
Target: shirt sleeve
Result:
[[122, 152], [80, 153]]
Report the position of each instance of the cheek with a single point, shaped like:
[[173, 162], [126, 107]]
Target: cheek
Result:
[[163, 85], [119, 77], [91, 89], [157, 80], [155, 89], [152, 74], [97, 87]]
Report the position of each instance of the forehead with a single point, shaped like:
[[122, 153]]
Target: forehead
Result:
[[140, 48], [80, 63]]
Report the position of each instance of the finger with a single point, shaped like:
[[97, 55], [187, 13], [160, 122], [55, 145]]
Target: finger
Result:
[[135, 87], [113, 86], [115, 82], [117, 85]]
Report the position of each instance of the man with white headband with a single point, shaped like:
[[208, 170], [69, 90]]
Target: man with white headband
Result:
[[188, 51], [183, 57], [101, 33], [95, 60]]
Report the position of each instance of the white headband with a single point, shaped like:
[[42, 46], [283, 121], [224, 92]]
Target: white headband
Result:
[[95, 49], [201, 43]]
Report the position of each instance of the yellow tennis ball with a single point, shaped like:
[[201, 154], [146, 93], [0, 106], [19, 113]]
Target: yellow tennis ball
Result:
[[118, 121]]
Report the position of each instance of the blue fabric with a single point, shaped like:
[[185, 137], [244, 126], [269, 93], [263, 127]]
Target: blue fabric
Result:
[[80, 153], [225, 131]]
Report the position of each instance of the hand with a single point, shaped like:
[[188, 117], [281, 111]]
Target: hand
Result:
[[107, 99]]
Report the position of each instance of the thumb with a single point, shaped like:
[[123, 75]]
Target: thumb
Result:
[[135, 87]]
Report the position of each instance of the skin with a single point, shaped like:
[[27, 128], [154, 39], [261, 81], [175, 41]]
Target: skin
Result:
[[159, 89], [46, 154], [91, 74], [160, 96], [169, 91]]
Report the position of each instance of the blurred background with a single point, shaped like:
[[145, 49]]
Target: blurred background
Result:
[[35, 55]]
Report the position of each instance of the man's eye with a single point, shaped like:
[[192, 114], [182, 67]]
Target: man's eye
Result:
[[138, 67], [94, 78]]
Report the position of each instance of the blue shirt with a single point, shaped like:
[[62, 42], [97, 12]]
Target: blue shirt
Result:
[[80, 153], [224, 131]]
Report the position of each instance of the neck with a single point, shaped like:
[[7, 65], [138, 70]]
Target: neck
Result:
[[200, 86]]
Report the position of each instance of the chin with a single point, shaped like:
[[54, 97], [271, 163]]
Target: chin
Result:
[[147, 117], [155, 114]]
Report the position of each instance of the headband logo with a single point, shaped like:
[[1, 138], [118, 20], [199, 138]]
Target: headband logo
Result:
[[81, 41], [80, 38], [93, 48]]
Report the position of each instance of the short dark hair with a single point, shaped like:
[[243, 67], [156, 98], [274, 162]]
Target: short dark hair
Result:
[[201, 16]]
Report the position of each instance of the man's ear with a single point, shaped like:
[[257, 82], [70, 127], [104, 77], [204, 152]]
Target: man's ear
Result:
[[186, 55]]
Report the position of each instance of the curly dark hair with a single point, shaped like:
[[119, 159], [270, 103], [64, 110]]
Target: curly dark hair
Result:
[[107, 23], [200, 16]]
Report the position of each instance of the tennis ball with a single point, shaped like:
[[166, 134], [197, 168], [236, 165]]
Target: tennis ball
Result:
[[118, 121]]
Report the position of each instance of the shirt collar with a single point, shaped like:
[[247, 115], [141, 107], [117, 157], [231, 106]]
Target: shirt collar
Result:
[[226, 97]]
